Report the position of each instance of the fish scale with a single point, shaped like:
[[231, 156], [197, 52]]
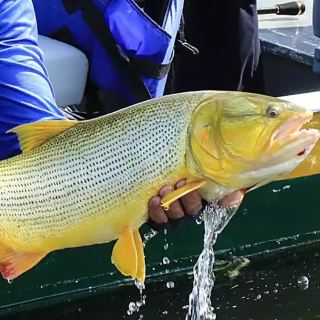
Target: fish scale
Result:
[[94, 170]]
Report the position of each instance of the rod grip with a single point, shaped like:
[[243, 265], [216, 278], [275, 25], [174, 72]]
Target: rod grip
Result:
[[294, 8]]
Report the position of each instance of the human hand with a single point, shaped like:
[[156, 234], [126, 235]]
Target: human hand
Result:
[[189, 205]]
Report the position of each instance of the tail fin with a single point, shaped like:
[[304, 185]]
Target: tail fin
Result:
[[13, 263]]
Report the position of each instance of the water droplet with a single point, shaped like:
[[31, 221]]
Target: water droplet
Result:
[[10, 281], [200, 218], [303, 283], [166, 246], [139, 303], [170, 284], [132, 308], [139, 285], [148, 236], [165, 260], [275, 291], [164, 312], [258, 296]]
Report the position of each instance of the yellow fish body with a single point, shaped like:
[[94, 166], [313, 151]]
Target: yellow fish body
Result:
[[85, 183]]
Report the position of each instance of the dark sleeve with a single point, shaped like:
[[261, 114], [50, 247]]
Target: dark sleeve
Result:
[[226, 34], [26, 94]]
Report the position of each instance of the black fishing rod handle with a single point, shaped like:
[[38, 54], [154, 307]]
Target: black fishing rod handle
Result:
[[293, 8]]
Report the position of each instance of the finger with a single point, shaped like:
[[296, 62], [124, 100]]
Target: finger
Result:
[[232, 200], [156, 212], [175, 210], [191, 202]]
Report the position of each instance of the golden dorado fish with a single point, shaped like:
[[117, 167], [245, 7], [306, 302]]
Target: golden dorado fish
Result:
[[84, 183]]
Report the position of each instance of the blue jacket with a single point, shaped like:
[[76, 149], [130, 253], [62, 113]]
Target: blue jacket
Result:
[[129, 54], [26, 94]]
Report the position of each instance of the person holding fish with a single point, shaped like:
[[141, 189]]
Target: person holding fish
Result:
[[80, 183], [27, 95]]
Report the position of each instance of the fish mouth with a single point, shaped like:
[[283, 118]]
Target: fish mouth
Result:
[[290, 146], [292, 129], [291, 126]]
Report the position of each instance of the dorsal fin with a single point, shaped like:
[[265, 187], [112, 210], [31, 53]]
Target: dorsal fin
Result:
[[33, 135]]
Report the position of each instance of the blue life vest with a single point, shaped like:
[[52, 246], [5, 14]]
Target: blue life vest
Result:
[[129, 53], [26, 94]]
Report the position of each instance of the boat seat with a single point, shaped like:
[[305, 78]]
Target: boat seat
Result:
[[67, 69]]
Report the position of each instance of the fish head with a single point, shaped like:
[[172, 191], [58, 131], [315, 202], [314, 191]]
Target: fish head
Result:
[[244, 140]]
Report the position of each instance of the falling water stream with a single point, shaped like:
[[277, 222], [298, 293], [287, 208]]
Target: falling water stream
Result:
[[215, 219]]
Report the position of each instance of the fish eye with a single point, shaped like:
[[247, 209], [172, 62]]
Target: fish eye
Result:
[[272, 111]]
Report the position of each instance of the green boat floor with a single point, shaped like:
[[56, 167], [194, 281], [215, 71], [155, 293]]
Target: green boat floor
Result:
[[267, 289]]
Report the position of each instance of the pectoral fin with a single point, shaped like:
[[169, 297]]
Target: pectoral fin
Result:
[[128, 256], [141, 268], [178, 193], [14, 263]]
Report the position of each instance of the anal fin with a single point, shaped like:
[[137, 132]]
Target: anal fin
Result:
[[128, 255], [178, 193], [13, 263]]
